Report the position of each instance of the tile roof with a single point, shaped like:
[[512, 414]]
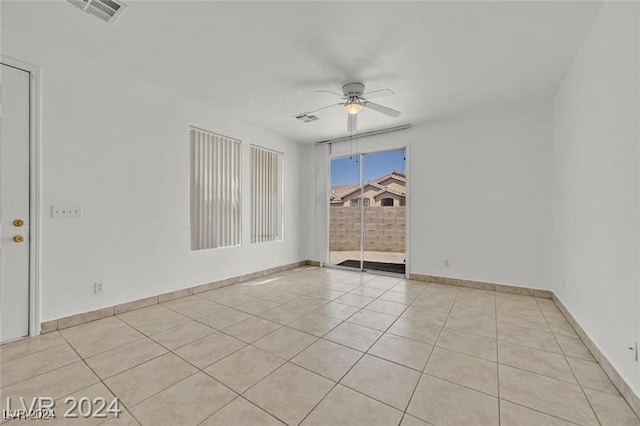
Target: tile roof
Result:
[[338, 192]]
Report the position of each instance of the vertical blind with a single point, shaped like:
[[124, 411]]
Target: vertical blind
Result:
[[215, 190], [266, 195]]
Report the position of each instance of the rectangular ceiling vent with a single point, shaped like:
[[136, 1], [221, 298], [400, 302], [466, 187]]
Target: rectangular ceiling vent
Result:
[[307, 118], [107, 10]]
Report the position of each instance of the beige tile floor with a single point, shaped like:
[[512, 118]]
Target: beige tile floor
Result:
[[325, 347]]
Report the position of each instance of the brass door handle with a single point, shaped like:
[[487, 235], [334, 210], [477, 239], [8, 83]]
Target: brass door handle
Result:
[[18, 223], [18, 238]]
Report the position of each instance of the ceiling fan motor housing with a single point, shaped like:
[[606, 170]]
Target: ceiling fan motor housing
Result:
[[353, 89]]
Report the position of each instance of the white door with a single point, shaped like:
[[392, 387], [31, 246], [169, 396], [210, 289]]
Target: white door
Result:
[[14, 203]]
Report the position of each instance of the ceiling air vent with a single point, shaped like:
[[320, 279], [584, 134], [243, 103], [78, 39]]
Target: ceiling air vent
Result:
[[307, 118], [107, 10]]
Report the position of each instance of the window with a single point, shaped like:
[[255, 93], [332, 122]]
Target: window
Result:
[[387, 202], [215, 190], [355, 202], [266, 195]]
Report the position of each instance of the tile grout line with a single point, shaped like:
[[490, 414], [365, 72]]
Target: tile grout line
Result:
[[137, 365], [521, 369], [517, 368], [244, 399], [571, 368], [543, 413], [281, 326], [497, 362], [134, 366], [30, 353], [219, 409], [539, 374], [103, 383], [347, 372], [460, 352], [3, 386], [198, 370], [81, 358], [576, 383], [313, 372], [365, 353], [258, 348], [429, 357]]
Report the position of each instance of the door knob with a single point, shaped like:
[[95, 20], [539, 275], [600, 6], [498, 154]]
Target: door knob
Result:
[[18, 238], [18, 223]]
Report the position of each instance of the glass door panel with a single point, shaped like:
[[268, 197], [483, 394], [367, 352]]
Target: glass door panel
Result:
[[345, 211], [384, 216]]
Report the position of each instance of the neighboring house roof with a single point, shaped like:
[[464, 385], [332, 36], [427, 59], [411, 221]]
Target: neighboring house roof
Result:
[[388, 191], [399, 176], [357, 188], [339, 193]]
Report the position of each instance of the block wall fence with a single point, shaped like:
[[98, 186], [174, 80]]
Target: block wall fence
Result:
[[384, 229]]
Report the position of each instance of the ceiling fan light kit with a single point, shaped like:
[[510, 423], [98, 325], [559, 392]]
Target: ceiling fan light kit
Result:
[[353, 107], [355, 99]]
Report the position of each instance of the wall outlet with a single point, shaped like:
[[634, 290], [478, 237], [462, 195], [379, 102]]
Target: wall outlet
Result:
[[66, 212], [98, 288]]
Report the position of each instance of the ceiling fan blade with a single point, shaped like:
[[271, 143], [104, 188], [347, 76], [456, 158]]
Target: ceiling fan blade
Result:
[[330, 92], [381, 108], [352, 124], [320, 109], [378, 93]]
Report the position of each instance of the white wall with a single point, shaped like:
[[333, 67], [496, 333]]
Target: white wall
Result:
[[596, 186], [479, 195], [119, 148]]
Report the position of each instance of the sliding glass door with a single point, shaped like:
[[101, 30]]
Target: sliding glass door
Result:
[[367, 212]]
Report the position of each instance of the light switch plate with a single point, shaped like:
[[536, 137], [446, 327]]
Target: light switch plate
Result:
[[66, 212]]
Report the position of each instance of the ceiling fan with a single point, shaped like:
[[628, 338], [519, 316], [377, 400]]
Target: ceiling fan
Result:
[[354, 99]]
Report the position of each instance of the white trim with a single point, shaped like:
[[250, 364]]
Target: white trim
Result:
[[366, 134], [637, 336], [35, 184], [326, 165], [407, 211]]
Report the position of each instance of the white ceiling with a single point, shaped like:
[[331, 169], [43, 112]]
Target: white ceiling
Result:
[[265, 61]]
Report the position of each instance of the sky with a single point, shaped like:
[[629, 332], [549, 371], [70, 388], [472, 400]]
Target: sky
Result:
[[346, 171]]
